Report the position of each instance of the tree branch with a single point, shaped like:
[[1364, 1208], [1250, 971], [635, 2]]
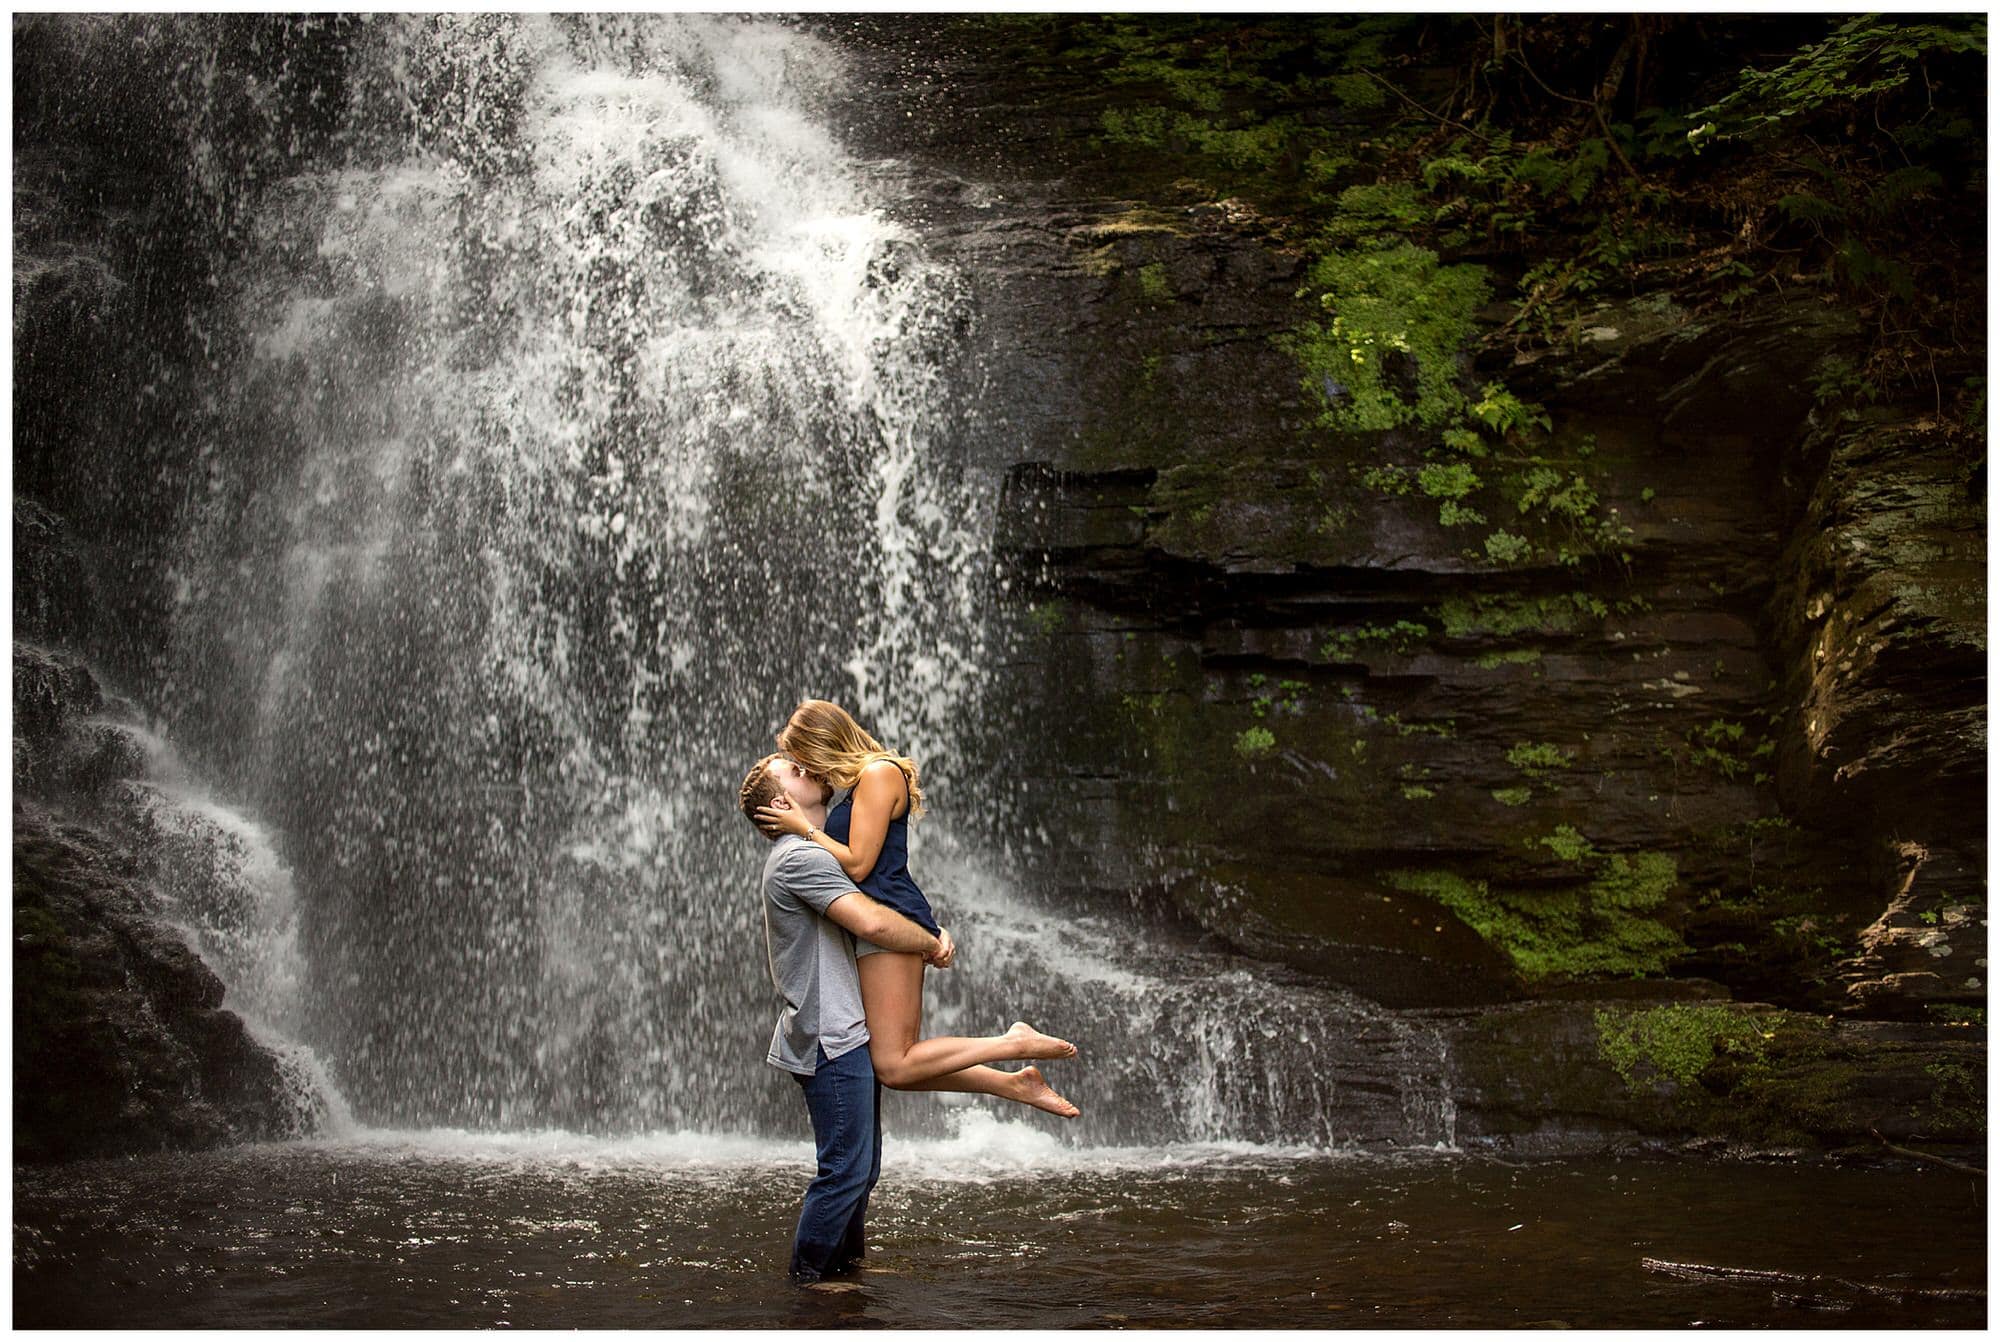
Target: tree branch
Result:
[[1935, 1160], [1425, 110], [1607, 89]]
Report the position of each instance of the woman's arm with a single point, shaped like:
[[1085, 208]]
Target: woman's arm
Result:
[[891, 930], [877, 795]]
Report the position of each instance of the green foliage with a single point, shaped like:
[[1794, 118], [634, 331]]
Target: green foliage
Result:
[[1507, 414], [1238, 106], [1566, 843], [1512, 796], [1582, 201], [1538, 759], [1676, 1043], [1399, 636], [1255, 741], [1450, 483], [1364, 213], [1504, 547], [1448, 728], [1567, 502], [1545, 487], [1494, 187], [1388, 479], [1637, 881], [1505, 616], [1862, 59], [1464, 440], [1153, 283], [1861, 145], [1807, 935], [1447, 481], [1726, 748], [1417, 792], [1393, 306]]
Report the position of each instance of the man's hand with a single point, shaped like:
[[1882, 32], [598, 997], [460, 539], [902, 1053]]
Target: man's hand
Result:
[[946, 951], [785, 819]]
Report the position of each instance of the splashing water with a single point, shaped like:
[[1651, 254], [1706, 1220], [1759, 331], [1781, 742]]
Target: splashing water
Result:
[[588, 413], [224, 887]]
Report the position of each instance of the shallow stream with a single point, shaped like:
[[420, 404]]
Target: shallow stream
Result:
[[999, 1226]]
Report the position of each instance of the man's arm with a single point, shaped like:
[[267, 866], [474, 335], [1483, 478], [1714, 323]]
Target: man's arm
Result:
[[882, 925]]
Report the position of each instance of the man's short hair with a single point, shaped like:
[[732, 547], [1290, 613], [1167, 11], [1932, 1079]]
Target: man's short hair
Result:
[[760, 788]]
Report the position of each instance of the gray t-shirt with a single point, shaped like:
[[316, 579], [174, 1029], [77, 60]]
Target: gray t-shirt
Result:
[[812, 957]]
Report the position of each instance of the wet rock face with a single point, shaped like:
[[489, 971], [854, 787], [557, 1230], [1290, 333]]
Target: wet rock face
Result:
[[1881, 615], [1555, 1077], [1317, 718], [1339, 735], [121, 1042]]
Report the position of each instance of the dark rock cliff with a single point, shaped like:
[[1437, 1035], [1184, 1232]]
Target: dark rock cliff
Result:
[[1738, 754], [121, 1040]]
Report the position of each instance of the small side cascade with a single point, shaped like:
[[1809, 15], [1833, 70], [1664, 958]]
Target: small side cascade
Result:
[[225, 888]]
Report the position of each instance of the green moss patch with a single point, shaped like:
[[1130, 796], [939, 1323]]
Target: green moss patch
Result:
[[1506, 616], [1677, 1043], [1604, 927]]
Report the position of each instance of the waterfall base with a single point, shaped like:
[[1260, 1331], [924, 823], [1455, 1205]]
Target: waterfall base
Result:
[[121, 1041]]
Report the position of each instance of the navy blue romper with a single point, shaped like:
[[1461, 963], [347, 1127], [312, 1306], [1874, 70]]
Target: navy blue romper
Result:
[[890, 882]]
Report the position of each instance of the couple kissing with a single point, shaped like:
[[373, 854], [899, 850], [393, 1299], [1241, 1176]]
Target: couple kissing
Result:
[[848, 935]]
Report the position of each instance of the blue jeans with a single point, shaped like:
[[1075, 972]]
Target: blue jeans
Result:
[[845, 1101]]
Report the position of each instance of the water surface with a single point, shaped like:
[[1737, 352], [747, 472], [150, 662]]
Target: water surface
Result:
[[999, 1226]]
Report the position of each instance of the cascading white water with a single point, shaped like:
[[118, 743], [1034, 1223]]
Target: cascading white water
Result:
[[589, 414], [221, 883]]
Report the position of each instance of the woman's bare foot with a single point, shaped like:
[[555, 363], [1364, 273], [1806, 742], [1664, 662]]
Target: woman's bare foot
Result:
[[1032, 1043], [1033, 1090]]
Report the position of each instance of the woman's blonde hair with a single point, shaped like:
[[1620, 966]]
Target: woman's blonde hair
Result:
[[829, 743]]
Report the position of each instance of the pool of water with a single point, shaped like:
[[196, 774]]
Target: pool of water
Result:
[[998, 1226]]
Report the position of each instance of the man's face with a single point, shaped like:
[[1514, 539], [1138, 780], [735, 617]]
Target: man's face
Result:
[[803, 790]]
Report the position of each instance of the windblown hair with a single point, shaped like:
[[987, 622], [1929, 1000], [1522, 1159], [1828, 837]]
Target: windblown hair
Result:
[[760, 788], [828, 743]]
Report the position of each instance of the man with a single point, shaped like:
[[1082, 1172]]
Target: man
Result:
[[812, 913]]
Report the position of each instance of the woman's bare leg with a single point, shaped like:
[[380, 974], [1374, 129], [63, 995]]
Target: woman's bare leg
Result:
[[1027, 1086], [892, 994]]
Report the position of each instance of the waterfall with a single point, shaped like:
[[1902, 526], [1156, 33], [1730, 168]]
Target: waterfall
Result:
[[222, 885], [583, 412]]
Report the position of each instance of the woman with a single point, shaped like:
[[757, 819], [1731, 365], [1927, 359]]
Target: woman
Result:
[[868, 834]]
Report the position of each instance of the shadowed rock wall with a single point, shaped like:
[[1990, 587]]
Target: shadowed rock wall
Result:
[[1279, 688], [121, 1042]]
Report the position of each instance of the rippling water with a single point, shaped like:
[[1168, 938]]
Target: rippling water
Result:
[[998, 1226]]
